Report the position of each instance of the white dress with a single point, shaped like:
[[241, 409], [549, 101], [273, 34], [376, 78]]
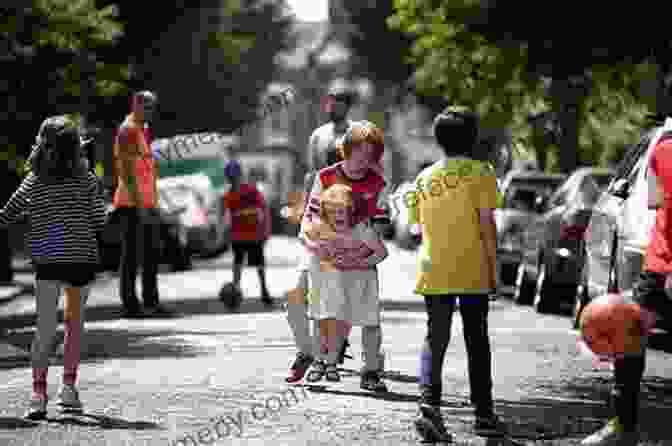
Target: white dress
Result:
[[345, 295]]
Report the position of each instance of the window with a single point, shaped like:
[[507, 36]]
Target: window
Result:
[[632, 158], [591, 188]]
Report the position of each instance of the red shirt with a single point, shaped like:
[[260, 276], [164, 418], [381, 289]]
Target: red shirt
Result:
[[249, 214], [659, 251], [366, 191], [145, 167]]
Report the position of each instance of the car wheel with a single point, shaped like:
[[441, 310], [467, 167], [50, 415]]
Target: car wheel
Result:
[[524, 288], [542, 294]]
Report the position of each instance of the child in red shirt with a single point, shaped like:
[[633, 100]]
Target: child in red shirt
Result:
[[250, 219]]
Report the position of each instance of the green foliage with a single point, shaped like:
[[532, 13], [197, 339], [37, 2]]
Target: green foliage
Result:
[[469, 54], [208, 60], [48, 49]]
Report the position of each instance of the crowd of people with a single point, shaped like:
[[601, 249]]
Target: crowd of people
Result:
[[337, 279]]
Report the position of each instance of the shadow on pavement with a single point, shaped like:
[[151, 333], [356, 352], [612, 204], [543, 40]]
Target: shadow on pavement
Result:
[[194, 307], [16, 423], [186, 307], [23, 289], [387, 396], [573, 408], [579, 405], [103, 422], [135, 343]]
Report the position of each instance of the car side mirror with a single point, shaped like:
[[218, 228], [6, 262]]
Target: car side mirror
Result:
[[620, 188]]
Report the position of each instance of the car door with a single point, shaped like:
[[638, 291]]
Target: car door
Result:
[[614, 211]]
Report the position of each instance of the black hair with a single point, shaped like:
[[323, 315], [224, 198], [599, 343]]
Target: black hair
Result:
[[57, 153], [456, 131]]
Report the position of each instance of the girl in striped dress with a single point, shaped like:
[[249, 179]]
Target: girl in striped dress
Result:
[[66, 211]]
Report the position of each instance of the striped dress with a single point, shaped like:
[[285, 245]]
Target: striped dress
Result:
[[65, 217]]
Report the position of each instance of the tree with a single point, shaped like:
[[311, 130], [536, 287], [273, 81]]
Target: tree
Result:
[[380, 52], [207, 61], [519, 59], [42, 45]]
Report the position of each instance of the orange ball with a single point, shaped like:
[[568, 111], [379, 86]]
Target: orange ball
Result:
[[612, 327]]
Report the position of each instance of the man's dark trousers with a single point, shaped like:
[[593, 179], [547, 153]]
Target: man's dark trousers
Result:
[[133, 226]]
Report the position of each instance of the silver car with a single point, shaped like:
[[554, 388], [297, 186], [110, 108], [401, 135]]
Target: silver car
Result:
[[522, 190], [620, 212]]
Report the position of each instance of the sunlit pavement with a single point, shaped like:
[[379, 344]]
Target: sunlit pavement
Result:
[[216, 377]]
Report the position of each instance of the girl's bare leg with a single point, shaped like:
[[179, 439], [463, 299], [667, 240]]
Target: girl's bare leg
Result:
[[72, 321]]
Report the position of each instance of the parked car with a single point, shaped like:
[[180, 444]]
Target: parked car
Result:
[[201, 212], [173, 244], [521, 190], [622, 212], [553, 252]]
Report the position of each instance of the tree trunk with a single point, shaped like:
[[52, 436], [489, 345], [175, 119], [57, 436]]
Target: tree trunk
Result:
[[540, 143], [568, 95], [663, 103]]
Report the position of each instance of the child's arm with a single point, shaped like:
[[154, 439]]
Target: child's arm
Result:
[[486, 193], [316, 239], [489, 237], [370, 252], [312, 211], [18, 203]]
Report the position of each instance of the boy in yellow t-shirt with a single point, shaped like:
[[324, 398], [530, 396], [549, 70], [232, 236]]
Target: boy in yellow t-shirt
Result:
[[453, 204]]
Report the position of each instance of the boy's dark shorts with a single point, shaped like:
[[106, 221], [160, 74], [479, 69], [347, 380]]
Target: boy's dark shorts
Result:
[[253, 249], [649, 292]]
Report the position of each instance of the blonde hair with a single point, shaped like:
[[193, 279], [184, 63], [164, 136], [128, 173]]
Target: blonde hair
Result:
[[361, 132]]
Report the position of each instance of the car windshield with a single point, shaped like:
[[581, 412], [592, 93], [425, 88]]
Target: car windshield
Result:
[[593, 187]]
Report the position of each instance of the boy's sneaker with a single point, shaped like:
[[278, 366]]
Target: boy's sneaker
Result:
[[37, 408], [317, 372], [430, 427], [612, 434], [68, 398], [301, 365], [489, 425], [372, 381]]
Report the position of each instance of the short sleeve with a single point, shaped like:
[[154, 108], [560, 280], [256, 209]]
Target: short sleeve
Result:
[[410, 200], [486, 192]]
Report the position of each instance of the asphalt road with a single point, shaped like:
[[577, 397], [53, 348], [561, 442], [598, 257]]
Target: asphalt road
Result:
[[216, 377]]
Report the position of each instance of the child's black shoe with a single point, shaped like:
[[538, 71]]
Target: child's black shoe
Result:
[[372, 382], [430, 427]]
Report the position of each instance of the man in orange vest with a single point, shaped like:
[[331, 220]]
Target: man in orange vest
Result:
[[136, 201]]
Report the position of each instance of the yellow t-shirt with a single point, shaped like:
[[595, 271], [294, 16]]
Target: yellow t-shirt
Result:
[[446, 202]]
